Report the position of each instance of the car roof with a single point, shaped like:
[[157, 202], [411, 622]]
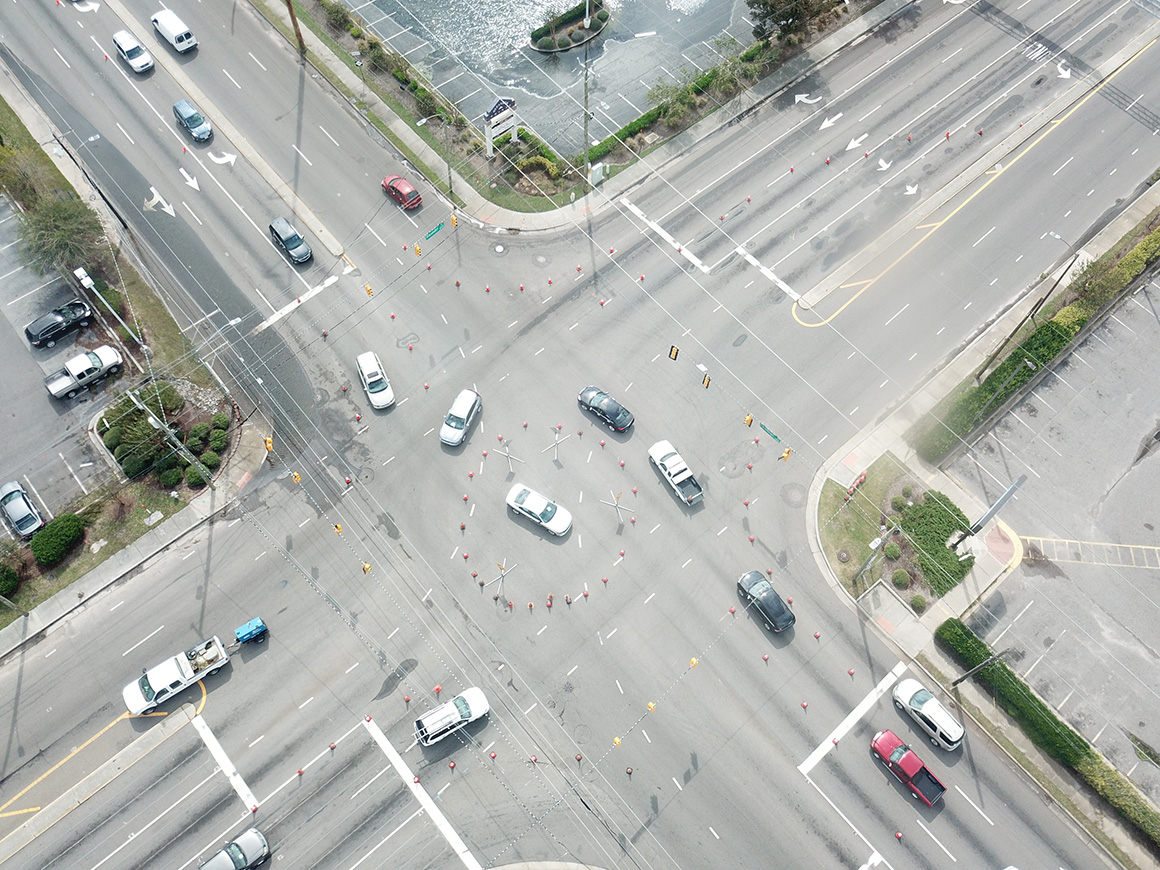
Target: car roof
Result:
[[463, 402], [369, 362], [10, 487], [125, 38]]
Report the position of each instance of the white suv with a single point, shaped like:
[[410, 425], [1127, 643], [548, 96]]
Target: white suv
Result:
[[924, 708], [375, 380], [448, 718]]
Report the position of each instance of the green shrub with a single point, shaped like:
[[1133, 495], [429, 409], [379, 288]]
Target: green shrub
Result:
[[193, 477], [198, 434], [900, 578], [426, 102], [218, 439], [52, 543], [1121, 794], [103, 426], [112, 438], [337, 15], [892, 550], [120, 451], [898, 503], [918, 603], [9, 580], [210, 460], [355, 32], [604, 148], [602, 15], [545, 43], [538, 162], [562, 40], [907, 491], [134, 465], [929, 526], [166, 462], [170, 477], [220, 421]]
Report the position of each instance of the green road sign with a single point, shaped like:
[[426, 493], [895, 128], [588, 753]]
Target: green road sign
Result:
[[767, 432], [434, 231]]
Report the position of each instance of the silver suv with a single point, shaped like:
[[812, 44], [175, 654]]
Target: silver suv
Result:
[[288, 239], [194, 122]]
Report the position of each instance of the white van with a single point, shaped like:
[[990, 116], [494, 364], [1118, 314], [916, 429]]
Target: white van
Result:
[[448, 718], [173, 30]]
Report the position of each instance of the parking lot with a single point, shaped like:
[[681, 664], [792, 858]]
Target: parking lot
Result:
[[1079, 618], [46, 444]]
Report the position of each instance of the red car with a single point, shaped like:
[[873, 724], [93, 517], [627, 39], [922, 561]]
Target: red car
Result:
[[402, 191], [907, 767]]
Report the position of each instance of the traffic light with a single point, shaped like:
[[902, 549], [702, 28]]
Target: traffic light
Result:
[[454, 221], [337, 529], [673, 351], [785, 454], [269, 443], [705, 382], [370, 292], [297, 477], [418, 251], [366, 567], [748, 419]]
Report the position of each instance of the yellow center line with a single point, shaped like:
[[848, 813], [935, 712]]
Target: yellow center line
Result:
[[81, 748], [931, 228], [21, 812]]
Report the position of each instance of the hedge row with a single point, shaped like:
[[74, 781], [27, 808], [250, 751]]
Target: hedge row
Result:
[[52, 543], [604, 148], [1098, 283], [1047, 731], [929, 525]]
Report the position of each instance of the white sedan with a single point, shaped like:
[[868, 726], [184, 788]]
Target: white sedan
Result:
[[928, 711], [540, 510], [375, 380]]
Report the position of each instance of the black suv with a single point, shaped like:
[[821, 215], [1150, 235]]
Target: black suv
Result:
[[49, 328]]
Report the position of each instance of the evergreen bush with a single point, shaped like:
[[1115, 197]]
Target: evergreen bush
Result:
[[900, 578], [112, 438], [52, 543], [892, 550], [9, 580], [218, 439], [210, 460], [193, 477], [220, 421], [170, 477]]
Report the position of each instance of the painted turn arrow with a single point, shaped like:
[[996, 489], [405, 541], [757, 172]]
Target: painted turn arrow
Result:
[[830, 122], [911, 189], [1064, 72], [883, 165], [150, 204], [189, 179], [805, 98], [857, 143], [225, 158]]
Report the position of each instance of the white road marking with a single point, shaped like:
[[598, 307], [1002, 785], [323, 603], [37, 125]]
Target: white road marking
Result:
[[142, 640], [972, 803], [933, 837], [223, 761], [425, 800], [857, 713]]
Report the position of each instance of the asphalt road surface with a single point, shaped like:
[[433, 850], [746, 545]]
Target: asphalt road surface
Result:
[[737, 758]]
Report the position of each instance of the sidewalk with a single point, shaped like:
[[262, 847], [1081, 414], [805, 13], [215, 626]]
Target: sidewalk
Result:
[[997, 550]]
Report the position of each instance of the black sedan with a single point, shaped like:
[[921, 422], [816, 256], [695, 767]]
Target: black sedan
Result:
[[755, 589], [48, 329], [609, 411]]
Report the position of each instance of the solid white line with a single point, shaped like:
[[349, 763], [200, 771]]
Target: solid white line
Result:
[[972, 803], [223, 761], [933, 837], [834, 806], [420, 793], [398, 828], [369, 782], [857, 713]]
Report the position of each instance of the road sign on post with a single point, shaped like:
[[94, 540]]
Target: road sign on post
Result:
[[427, 237], [767, 432]]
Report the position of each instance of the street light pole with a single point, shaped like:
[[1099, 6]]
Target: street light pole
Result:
[[446, 148]]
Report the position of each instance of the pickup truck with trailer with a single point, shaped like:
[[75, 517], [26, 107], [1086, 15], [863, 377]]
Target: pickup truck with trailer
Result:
[[83, 370], [907, 767], [664, 456], [175, 674]]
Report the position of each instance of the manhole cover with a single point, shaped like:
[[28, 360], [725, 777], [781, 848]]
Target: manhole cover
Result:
[[843, 556], [794, 494]]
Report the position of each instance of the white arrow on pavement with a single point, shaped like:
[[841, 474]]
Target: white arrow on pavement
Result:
[[86, 7], [954, 2], [150, 204], [883, 165], [189, 179], [1064, 72], [225, 158], [830, 122], [911, 189], [804, 98], [857, 143]]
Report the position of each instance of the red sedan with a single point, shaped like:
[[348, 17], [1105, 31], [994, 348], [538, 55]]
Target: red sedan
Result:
[[402, 191]]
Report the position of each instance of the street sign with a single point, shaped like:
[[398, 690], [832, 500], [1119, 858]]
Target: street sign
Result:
[[767, 432], [434, 231]]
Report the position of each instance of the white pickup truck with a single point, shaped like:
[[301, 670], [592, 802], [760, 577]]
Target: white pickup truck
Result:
[[83, 370], [174, 674], [664, 456]]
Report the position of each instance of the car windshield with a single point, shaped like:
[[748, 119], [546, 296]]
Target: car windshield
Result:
[[463, 708], [236, 855], [920, 698], [146, 690], [194, 119], [376, 383], [760, 588], [134, 51], [621, 415], [455, 422], [896, 755], [547, 513], [293, 240], [410, 195]]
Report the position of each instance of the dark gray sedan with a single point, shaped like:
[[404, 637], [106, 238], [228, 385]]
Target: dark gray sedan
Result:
[[49, 328], [767, 604], [606, 409]]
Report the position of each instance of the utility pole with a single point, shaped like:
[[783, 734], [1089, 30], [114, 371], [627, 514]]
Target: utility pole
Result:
[[297, 30], [978, 667], [172, 439]]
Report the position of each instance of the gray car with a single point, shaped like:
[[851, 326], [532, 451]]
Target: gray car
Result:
[[288, 239], [250, 849], [194, 122], [18, 510]]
